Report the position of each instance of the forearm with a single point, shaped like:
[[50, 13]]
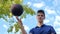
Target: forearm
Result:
[[23, 30]]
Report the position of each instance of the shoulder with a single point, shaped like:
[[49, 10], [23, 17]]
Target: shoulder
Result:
[[49, 26], [31, 31], [51, 29]]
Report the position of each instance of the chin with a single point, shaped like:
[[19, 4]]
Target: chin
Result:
[[40, 21]]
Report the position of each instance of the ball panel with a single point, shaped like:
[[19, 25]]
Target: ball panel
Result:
[[17, 10]]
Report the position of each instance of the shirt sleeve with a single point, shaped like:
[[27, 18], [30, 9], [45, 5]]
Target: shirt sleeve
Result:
[[31, 31], [53, 31]]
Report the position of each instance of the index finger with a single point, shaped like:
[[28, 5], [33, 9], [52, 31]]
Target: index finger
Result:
[[17, 18]]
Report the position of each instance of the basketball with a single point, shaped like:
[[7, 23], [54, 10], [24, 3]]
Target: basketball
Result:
[[17, 9]]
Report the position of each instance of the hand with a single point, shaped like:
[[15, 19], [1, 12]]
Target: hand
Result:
[[19, 21]]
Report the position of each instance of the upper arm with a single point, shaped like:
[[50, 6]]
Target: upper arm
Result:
[[31, 31], [52, 31]]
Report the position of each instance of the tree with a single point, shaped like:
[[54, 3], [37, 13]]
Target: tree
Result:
[[5, 6]]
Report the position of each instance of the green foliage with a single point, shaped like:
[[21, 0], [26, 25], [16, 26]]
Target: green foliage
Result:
[[28, 10], [5, 6], [10, 29], [17, 27]]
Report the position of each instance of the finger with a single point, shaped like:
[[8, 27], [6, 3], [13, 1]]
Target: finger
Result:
[[17, 18]]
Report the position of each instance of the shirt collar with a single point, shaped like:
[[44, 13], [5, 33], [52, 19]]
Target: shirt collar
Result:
[[41, 26]]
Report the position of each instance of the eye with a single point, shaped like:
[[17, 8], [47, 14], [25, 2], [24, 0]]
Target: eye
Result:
[[42, 15], [38, 15]]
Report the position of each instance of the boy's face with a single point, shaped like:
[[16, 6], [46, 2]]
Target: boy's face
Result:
[[40, 17]]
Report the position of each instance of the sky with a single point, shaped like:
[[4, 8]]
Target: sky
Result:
[[52, 11]]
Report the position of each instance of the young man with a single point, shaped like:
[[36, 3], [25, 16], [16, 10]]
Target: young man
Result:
[[41, 28]]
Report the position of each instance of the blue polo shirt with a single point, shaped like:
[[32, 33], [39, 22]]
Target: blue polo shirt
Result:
[[44, 29]]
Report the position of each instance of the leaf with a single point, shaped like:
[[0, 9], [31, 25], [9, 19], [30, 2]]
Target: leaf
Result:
[[23, 15], [10, 29], [17, 27], [28, 10], [18, 1]]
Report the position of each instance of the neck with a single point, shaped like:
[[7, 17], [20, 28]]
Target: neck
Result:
[[40, 24]]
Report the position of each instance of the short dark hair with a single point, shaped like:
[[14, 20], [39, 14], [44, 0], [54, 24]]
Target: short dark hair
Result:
[[41, 11]]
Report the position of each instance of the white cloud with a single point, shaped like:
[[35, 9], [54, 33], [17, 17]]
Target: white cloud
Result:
[[46, 21], [23, 19], [58, 30], [48, 0], [29, 3], [56, 2], [56, 22], [5, 26], [39, 5], [13, 29], [50, 11], [57, 18], [26, 27]]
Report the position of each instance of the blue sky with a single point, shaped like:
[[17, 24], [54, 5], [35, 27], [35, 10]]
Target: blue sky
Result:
[[52, 11]]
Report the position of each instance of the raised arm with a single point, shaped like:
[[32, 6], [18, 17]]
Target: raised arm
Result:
[[21, 25]]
